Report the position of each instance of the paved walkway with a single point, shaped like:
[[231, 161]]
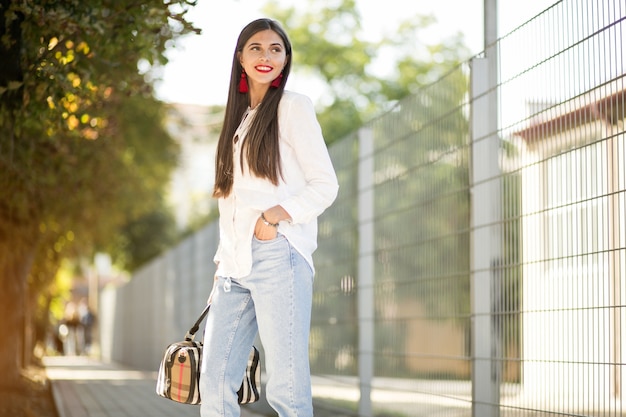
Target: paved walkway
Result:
[[84, 387]]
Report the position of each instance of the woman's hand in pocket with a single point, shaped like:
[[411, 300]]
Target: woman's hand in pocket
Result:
[[264, 231]]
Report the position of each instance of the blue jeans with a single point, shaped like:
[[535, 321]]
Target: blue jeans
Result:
[[275, 301]]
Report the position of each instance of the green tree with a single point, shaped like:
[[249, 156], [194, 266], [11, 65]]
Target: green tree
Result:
[[82, 148], [330, 45]]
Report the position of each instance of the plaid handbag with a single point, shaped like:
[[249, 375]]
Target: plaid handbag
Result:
[[178, 378]]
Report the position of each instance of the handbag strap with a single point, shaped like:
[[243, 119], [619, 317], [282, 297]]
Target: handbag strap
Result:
[[192, 332]]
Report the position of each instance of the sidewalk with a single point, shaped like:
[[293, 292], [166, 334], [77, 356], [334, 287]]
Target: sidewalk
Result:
[[84, 387]]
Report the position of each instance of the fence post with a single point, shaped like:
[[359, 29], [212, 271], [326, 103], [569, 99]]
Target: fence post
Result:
[[485, 242], [365, 281]]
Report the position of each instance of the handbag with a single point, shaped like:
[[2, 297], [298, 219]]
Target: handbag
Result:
[[178, 378]]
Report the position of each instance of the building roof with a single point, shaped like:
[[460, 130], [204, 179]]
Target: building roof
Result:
[[574, 113]]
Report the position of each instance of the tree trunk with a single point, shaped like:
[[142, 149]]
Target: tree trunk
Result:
[[15, 257], [14, 267]]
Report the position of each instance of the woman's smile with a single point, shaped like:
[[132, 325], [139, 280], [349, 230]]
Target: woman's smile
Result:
[[264, 68]]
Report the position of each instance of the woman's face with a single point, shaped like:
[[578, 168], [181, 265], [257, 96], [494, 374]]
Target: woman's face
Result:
[[263, 58]]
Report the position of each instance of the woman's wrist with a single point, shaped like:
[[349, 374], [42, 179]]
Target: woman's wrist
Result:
[[267, 222]]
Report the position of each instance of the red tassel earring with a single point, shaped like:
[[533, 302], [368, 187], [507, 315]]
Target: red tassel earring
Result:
[[243, 83], [277, 81]]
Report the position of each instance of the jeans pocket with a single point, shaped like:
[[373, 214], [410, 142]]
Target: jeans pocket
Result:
[[279, 237]]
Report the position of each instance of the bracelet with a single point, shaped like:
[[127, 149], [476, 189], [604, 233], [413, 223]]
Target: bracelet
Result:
[[267, 223]]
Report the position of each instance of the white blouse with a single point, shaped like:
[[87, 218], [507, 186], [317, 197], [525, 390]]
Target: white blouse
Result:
[[307, 187]]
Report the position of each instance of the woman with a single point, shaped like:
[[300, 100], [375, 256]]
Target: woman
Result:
[[273, 178]]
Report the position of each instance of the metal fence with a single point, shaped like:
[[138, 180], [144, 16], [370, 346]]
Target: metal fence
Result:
[[474, 261]]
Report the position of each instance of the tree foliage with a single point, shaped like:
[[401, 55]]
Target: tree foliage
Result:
[[82, 147], [330, 44]]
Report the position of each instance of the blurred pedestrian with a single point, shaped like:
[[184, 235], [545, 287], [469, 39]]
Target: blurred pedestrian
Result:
[[71, 322], [86, 319]]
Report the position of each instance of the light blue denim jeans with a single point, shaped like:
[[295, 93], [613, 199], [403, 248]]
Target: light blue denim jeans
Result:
[[275, 301]]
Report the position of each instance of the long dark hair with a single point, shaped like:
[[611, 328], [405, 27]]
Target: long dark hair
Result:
[[261, 144]]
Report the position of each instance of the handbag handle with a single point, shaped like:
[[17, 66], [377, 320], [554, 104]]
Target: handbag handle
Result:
[[192, 332]]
